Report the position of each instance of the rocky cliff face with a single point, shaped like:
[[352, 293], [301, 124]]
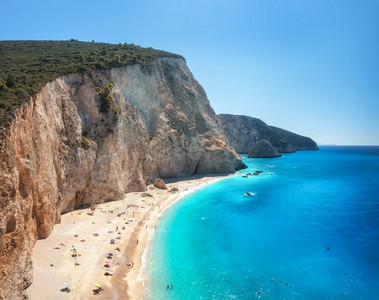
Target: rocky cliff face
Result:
[[299, 142], [61, 152], [243, 132]]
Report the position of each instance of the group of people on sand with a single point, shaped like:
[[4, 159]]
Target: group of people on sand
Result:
[[98, 289]]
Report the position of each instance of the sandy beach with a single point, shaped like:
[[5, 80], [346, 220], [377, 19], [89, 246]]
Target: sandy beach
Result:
[[110, 237]]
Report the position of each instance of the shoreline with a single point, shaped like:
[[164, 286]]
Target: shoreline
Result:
[[134, 219], [135, 277]]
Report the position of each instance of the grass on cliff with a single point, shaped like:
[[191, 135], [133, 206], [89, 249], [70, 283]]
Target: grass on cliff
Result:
[[26, 66]]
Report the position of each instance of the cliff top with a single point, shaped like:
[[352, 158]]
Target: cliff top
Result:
[[26, 66]]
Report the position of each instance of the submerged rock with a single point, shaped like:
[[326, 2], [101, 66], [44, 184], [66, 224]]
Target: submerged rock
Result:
[[263, 149]]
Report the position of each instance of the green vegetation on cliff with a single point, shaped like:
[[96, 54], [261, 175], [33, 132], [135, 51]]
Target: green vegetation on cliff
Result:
[[105, 97], [26, 66]]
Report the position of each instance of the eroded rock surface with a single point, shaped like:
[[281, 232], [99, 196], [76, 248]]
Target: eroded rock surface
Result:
[[263, 149], [243, 132], [60, 152], [297, 141]]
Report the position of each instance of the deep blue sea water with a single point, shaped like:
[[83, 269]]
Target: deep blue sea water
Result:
[[311, 231]]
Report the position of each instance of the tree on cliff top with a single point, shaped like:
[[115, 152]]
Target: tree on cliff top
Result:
[[26, 66]]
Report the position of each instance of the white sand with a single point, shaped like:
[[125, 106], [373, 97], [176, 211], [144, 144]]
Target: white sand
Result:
[[54, 267]]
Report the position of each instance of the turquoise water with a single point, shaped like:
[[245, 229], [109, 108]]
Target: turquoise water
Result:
[[311, 231]]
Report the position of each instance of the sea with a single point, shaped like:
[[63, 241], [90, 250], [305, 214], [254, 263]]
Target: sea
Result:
[[307, 229]]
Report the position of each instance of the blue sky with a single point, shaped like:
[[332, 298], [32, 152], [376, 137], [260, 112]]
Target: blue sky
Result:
[[309, 66]]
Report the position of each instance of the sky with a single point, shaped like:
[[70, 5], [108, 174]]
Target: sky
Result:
[[308, 66]]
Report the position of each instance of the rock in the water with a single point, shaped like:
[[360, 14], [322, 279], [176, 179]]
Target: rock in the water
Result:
[[263, 149], [160, 184]]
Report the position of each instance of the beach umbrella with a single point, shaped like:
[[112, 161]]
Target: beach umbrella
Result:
[[110, 254], [97, 285], [108, 269], [66, 284]]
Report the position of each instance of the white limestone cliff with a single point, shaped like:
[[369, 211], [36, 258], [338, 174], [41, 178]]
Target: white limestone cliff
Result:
[[61, 152]]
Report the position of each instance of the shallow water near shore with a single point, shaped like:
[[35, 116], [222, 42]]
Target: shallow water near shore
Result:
[[310, 230]]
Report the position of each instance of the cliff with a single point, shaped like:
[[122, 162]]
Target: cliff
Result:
[[299, 142], [243, 132], [82, 139]]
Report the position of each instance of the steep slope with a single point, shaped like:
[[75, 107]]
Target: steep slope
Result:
[[88, 138], [299, 142], [243, 132]]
